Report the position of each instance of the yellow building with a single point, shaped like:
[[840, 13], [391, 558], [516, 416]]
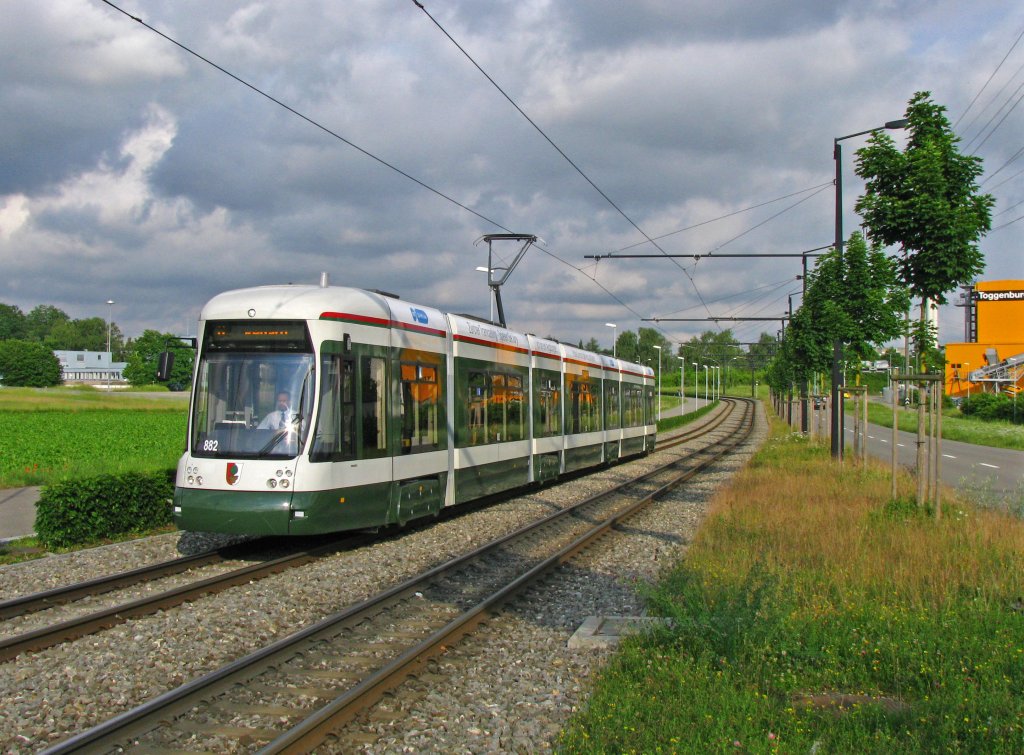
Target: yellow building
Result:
[[991, 358]]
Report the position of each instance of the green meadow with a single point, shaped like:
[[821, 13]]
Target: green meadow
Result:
[[62, 433]]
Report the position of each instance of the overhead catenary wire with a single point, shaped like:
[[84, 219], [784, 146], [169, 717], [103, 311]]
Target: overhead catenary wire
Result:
[[987, 82], [555, 146]]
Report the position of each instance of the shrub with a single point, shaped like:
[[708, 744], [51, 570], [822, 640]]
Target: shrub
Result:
[[992, 406], [85, 510], [24, 363]]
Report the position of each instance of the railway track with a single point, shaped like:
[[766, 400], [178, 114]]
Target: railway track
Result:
[[93, 621], [290, 696], [47, 636]]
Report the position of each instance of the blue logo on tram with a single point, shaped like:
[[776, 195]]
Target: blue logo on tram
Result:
[[418, 315]]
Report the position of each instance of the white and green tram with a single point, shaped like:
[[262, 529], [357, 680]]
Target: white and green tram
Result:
[[320, 408]]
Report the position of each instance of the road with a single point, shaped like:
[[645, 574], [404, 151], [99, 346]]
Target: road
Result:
[[993, 471]]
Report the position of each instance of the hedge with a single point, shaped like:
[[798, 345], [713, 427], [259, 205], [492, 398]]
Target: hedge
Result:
[[94, 508]]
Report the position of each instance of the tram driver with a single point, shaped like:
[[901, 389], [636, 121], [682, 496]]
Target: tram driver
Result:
[[282, 416]]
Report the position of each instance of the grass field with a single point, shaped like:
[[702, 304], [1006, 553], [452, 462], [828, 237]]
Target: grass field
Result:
[[812, 614], [61, 433]]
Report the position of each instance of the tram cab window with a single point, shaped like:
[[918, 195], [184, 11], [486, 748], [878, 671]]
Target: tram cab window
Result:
[[421, 411], [236, 393]]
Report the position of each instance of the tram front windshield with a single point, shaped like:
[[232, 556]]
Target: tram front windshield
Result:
[[254, 391]]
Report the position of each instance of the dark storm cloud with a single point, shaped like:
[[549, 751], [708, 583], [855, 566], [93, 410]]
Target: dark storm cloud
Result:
[[141, 174]]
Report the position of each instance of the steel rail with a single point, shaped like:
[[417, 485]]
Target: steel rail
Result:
[[40, 601], [161, 710], [72, 629]]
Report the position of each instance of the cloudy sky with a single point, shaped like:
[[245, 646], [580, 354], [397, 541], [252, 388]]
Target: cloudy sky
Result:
[[131, 170]]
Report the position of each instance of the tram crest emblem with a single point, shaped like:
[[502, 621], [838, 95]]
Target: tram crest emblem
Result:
[[418, 315], [231, 473]]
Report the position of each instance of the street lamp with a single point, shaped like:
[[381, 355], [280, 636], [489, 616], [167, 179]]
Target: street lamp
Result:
[[614, 339], [705, 384], [696, 384], [110, 358], [837, 346], [110, 317], [682, 385], [659, 380]]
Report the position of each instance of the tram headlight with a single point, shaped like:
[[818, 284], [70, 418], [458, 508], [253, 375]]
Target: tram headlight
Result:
[[271, 483], [191, 480], [284, 483], [199, 480]]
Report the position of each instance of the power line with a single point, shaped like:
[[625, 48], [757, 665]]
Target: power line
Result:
[[306, 118], [728, 215], [552, 143], [988, 81], [355, 146]]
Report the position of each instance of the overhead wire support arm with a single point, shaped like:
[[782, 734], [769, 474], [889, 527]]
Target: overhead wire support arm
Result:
[[496, 276], [714, 319], [816, 252]]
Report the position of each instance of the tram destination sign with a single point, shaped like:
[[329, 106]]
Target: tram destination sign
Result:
[[268, 335]]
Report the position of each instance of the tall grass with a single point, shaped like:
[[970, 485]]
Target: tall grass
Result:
[[807, 589]]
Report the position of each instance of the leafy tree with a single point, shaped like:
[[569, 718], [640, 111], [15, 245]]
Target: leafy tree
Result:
[[719, 345], [25, 363], [42, 320], [144, 357], [627, 346], [925, 200], [12, 322]]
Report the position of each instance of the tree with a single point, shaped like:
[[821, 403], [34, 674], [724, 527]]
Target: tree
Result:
[[42, 320], [25, 363], [925, 200], [144, 356], [12, 322]]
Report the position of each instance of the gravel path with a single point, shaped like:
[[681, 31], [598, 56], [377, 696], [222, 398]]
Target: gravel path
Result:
[[509, 688]]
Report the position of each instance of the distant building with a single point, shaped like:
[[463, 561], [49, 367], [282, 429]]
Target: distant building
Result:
[[991, 358], [89, 367]]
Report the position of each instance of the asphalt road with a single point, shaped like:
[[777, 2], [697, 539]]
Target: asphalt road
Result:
[[995, 471]]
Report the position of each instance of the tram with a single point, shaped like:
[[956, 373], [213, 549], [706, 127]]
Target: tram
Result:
[[323, 408]]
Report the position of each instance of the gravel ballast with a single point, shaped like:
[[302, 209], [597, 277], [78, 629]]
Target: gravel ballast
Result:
[[509, 687]]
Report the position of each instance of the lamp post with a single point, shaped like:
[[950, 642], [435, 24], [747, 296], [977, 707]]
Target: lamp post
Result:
[[696, 384], [614, 339], [110, 318], [706, 402], [659, 380], [682, 385], [837, 345]]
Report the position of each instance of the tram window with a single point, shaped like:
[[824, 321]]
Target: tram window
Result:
[[335, 430], [506, 413], [420, 407], [479, 396], [547, 400], [371, 402], [584, 414], [611, 404]]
